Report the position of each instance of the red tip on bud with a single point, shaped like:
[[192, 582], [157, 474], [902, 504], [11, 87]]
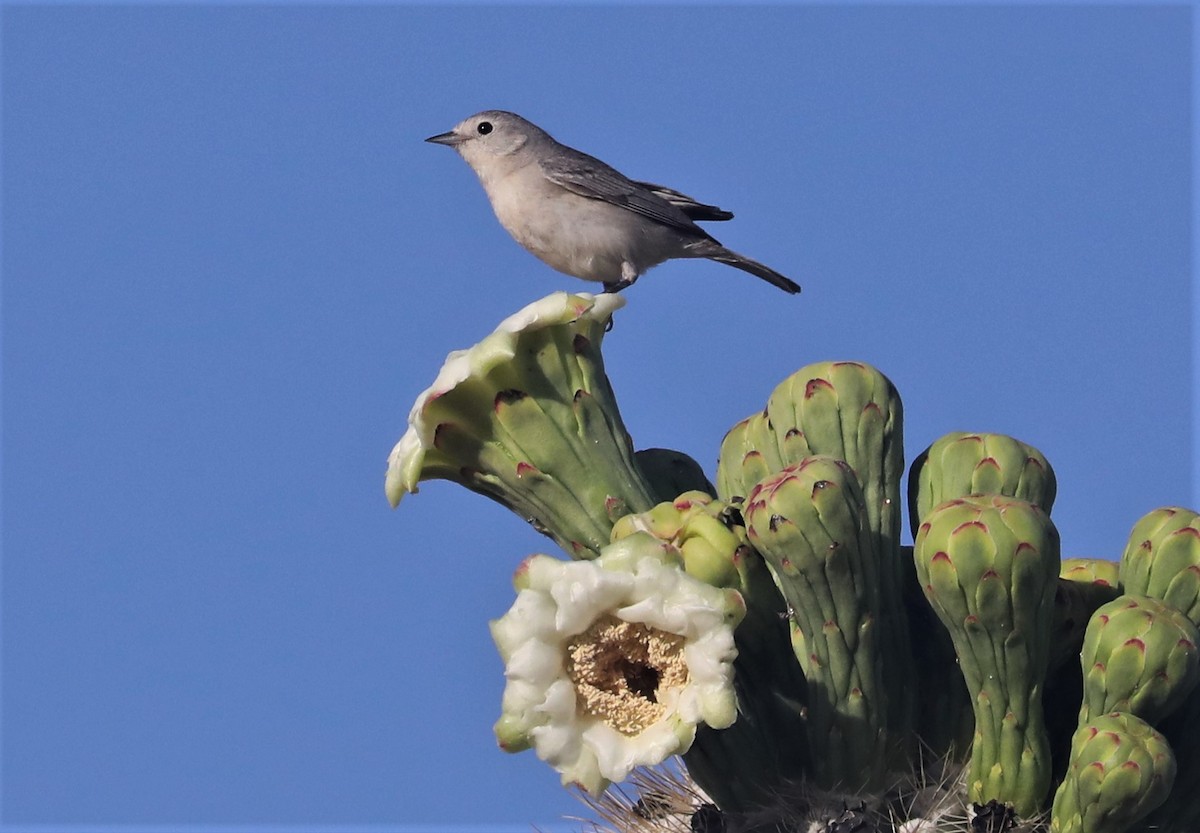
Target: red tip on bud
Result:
[[815, 385]]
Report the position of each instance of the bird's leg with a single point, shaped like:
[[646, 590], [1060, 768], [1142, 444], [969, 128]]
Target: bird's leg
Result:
[[628, 276]]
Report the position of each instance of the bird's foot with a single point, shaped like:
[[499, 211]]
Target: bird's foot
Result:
[[628, 276]]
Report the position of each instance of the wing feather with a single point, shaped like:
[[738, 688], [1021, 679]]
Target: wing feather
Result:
[[589, 177]]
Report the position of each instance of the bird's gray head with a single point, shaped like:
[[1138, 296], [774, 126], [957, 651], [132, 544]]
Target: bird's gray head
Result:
[[490, 135]]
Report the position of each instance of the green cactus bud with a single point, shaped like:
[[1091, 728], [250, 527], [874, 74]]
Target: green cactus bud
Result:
[[852, 412], [1139, 656], [672, 473], [1120, 769], [527, 418], [1162, 559], [989, 566], [1093, 571], [749, 452], [809, 522], [961, 464]]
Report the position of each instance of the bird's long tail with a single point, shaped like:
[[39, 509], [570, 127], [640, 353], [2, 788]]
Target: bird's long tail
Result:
[[722, 255]]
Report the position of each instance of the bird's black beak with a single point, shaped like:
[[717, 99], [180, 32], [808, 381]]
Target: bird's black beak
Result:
[[450, 139]]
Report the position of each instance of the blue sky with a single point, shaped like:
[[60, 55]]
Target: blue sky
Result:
[[230, 264]]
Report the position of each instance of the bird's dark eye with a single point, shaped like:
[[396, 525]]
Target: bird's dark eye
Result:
[[485, 127]]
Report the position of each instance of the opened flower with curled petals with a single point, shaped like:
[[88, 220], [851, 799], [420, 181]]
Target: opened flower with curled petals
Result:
[[527, 417], [612, 663]]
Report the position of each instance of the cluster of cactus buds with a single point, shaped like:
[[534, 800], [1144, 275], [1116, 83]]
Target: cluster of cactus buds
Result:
[[810, 670]]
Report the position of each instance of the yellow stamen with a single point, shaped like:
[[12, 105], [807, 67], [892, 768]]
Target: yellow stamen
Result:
[[621, 671]]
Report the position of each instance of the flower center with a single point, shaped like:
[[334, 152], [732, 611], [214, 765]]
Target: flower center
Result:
[[622, 670]]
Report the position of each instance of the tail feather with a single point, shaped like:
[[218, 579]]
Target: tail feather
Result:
[[722, 255]]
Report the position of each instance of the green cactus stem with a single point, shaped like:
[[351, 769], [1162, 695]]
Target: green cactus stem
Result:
[[1078, 594], [960, 464], [1139, 656], [1098, 572], [810, 524], [1180, 813], [957, 465], [1162, 559], [852, 412], [527, 418], [1121, 768], [670, 473], [1084, 584], [989, 565], [708, 537]]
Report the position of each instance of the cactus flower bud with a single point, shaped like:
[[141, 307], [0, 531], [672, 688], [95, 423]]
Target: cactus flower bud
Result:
[[1162, 559], [1120, 769], [961, 464], [989, 567], [1139, 656]]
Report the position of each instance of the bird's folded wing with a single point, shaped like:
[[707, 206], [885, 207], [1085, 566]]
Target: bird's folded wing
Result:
[[689, 205], [589, 177]]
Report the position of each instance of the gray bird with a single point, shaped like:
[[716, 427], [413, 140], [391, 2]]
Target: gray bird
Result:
[[581, 216]]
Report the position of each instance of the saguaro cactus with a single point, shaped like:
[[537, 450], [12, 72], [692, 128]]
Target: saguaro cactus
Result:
[[809, 522], [527, 418], [989, 566], [773, 638]]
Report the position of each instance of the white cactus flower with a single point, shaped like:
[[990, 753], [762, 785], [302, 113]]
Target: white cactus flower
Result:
[[612, 663]]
